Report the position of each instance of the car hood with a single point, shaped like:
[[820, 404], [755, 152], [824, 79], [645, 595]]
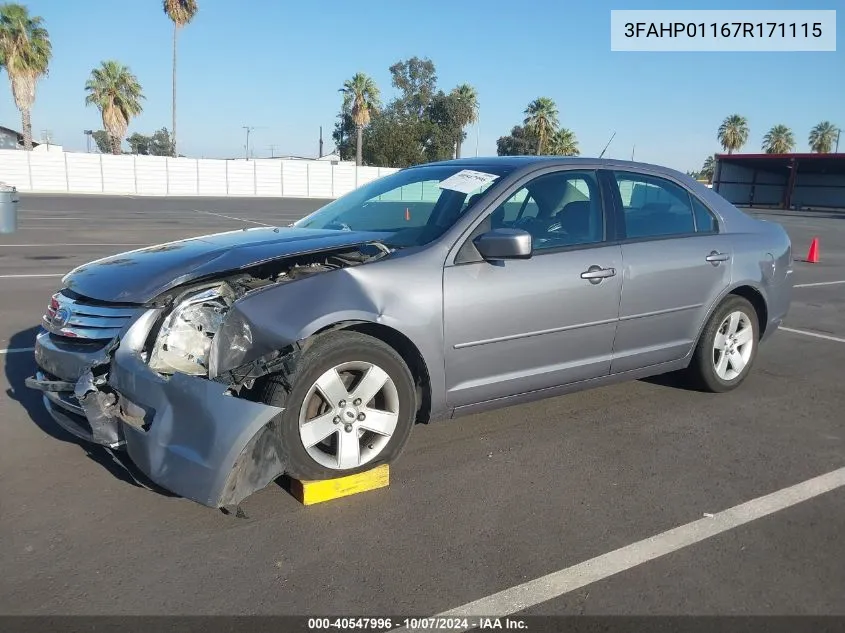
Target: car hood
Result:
[[139, 276]]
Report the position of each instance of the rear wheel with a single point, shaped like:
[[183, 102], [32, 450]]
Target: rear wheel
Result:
[[727, 347], [349, 406]]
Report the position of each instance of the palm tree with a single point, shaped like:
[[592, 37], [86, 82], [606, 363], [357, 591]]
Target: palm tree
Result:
[[541, 120], [823, 136], [181, 12], [361, 95], [778, 140], [708, 168], [563, 143], [467, 99], [733, 133], [116, 92], [25, 53]]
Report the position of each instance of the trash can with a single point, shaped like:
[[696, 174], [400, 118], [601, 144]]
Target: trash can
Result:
[[8, 208]]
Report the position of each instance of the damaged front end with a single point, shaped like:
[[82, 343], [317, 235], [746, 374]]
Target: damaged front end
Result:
[[145, 378]]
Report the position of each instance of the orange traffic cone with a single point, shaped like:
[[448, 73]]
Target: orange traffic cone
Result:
[[407, 215], [813, 253]]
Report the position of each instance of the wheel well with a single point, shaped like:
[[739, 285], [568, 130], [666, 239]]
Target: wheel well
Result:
[[409, 353], [759, 303]]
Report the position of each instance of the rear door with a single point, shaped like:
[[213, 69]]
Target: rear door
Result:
[[675, 265]]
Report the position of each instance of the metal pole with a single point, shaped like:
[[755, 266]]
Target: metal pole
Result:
[[477, 126], [838, 132], [248, 130]]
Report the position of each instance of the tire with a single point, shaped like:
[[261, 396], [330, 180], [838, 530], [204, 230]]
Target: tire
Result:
[[709, 370], [352, 355]]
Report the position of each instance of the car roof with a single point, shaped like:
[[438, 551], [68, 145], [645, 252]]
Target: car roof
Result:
[[518, 162]]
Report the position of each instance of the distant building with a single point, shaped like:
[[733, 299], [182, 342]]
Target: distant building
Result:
[[11, 139], [785, 181]]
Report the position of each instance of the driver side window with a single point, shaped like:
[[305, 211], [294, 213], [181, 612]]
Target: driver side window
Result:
[[558, 210]]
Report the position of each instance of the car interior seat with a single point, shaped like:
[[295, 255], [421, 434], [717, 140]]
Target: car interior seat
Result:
[[576, 218]]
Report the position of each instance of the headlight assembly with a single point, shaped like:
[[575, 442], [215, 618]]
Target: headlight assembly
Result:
[[184, 340]]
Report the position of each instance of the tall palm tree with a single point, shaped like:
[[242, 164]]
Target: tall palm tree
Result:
[[467, 99], [116, 92], [541, 119], [823, 136], [181, 12], [778, 140], [361, 97], [733, 133], [25, 53], [563, 143]]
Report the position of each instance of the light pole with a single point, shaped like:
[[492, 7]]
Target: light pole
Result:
[[477, 126], [88, 134], [838, 132], [248, 130]]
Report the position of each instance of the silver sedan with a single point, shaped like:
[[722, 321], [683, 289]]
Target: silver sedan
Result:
[[220, 362]]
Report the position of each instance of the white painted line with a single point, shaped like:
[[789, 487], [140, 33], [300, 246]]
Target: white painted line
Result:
[[16, 350], [826, 337], [534, 592], [79, 244], [27, 276], [819, 283], [230, 217]]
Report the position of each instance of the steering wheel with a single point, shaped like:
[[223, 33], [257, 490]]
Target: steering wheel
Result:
[[526, 222], [557, 228]]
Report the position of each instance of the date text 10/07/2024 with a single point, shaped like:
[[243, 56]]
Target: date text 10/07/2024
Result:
[[418, 624], [724, 29]]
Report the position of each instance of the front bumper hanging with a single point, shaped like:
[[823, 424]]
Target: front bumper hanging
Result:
[[188, 434]]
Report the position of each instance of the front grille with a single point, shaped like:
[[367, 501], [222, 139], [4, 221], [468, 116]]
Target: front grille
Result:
[[77, 319]]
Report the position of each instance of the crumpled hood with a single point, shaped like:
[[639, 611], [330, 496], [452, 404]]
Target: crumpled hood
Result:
[[139, 276]]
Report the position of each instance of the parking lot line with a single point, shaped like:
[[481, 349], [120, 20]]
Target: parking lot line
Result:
[[16, 350], [819, 283], [550, 586], [826, 337], [53, 245], [230, 217], [33, 275]]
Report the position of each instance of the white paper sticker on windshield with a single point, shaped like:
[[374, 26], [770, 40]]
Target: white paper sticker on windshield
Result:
[[467, 180]]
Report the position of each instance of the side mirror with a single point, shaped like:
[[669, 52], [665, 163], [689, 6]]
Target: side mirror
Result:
[[504, 244]]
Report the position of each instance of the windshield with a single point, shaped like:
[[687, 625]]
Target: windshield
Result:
[[411, 207]]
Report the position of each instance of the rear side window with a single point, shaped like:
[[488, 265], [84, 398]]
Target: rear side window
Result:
[[654, 207], [705, 222]]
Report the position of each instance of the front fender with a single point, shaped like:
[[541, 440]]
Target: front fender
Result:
[[270, 320]]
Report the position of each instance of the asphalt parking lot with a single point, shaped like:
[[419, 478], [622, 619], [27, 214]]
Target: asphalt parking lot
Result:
[[475, 506]]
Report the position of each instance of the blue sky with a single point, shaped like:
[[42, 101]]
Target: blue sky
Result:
[[277, 64]]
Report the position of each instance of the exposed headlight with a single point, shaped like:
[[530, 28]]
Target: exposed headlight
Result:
[[185, 337], [231, 345]]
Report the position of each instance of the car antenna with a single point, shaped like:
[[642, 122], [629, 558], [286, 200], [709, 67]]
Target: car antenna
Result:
[[608, 145]]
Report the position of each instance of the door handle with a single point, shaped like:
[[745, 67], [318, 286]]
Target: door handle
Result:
[[715, 257], [596, 273]]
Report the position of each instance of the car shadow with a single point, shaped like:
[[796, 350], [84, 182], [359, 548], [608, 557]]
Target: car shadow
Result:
[[674, 380], [18, 367]]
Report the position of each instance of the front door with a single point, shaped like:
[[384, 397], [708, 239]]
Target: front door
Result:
[[521, 325]]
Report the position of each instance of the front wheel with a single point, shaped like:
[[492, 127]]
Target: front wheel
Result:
[[349, 406], [727, 347]]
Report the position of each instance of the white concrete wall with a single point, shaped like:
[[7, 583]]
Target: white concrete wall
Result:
[[70, 172]]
